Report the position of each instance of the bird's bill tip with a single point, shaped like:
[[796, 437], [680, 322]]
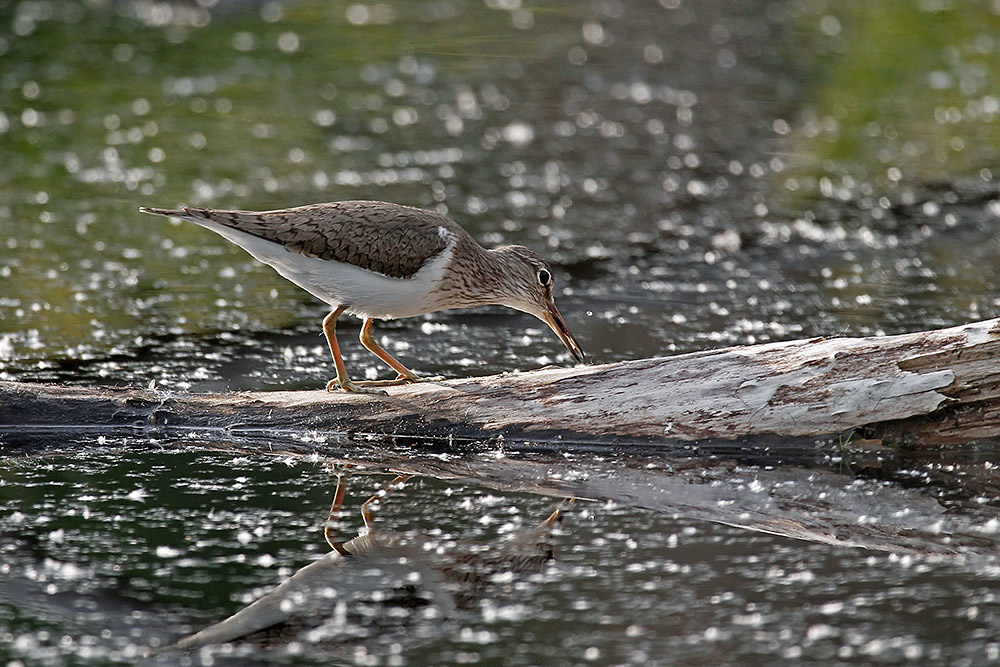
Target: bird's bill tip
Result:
[[558, 325]]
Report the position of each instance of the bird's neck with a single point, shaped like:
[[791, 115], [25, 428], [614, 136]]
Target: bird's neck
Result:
[[475, 277]]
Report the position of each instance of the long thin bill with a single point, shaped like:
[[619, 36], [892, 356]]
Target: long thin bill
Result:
[[558, 325]]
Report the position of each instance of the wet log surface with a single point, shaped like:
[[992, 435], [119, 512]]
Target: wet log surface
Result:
[[918, 389], [796, 438]]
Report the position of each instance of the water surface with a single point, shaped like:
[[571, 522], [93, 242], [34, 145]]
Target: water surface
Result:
[[700, 174]]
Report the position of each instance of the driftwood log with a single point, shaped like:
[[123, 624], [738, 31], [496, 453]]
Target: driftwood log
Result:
[[788, 429], [925, 388]]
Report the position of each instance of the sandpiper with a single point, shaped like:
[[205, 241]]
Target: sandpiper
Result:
[[385, 261]]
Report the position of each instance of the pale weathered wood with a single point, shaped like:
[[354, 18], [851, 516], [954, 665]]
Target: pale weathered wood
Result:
[[934, 386]]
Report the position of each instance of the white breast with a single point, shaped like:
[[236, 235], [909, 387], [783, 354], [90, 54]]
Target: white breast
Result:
[[364, 292]]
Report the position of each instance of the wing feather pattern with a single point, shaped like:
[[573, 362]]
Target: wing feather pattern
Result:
[[385, 238]]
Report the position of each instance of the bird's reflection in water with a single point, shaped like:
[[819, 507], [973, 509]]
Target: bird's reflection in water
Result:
[[379, 583]]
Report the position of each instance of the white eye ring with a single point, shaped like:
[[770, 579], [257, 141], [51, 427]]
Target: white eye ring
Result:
[[544, 277]]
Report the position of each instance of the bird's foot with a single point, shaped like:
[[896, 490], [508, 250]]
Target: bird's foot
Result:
[[367, 386], [402, 378], [353, 387], [418, 378]]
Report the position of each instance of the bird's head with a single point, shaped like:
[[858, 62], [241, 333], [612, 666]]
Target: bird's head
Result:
[[528, 288]]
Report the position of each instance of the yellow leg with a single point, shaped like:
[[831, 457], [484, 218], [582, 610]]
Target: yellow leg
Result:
[[342, 381], [404, 373]]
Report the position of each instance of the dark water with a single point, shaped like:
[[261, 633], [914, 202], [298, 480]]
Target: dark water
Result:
[[700, 174]]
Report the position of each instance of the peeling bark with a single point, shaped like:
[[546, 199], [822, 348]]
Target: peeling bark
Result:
[[923, 388]]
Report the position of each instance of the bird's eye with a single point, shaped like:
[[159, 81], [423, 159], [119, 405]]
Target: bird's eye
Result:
[[544, 277]]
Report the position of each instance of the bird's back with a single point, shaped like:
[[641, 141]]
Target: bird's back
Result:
[[389, 239]]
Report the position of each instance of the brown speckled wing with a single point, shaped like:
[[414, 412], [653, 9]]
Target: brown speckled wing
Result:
[[386, 238]]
